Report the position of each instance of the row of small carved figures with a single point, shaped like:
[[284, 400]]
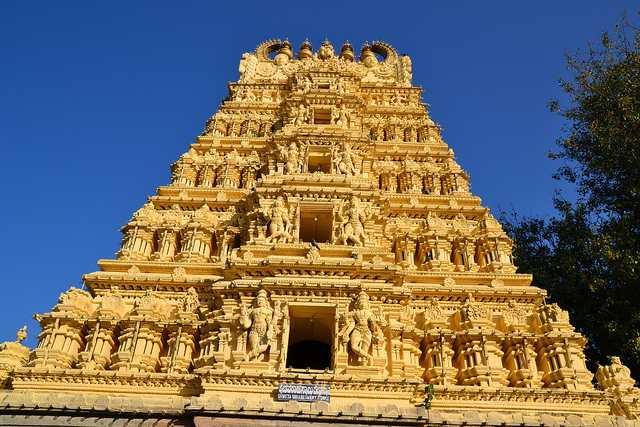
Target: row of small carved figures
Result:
[[258, 129]]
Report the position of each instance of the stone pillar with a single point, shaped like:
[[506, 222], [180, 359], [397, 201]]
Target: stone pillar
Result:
[[180, 348], [479, 360], [58, 343], [183, 174], [432, 184], [140, 346], [100, 343], [562, 363], [195, 244], [435, 253], [520, 360], [463, 250], [137, 242], [437, 359], [215, 347], [167, 239], [207, 176]]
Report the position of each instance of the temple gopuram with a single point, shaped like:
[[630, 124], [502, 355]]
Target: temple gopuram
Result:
[[317, 257]]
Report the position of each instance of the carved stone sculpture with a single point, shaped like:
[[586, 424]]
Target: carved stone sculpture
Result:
[[280, 224], [361, 329], [260, 321], [353, 218]]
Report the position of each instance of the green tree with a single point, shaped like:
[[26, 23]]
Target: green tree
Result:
[[588, 255]]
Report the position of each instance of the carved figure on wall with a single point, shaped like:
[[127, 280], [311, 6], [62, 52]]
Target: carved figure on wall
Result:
[[345, 160], [472, 310], [260, 321], [291, 157], [361, 329], [247, 66], [407, 68], [301, 115], [21, 335], [343, 117], [335, 115], [280, 224], [353, 217], [614, 377], [190, 301]]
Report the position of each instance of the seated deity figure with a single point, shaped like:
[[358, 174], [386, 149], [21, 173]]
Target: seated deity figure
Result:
[[353, 218], [345, 160], [280, 225], [260, 321], [301, 115], [361, 329]]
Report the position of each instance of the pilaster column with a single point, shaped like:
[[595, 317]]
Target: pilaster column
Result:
[[180, 348], [140, 346], [100, 343], [58, 343], [137, 242]]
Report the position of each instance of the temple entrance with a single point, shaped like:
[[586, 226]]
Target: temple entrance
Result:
[[311, 337], [315, 225]]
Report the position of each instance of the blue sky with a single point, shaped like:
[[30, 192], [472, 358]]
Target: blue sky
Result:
[[98, 98]]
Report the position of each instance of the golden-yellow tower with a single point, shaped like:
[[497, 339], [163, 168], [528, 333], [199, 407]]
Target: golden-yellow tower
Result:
[[317, 256]]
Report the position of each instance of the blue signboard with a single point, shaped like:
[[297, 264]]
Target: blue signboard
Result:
[[304, 392]]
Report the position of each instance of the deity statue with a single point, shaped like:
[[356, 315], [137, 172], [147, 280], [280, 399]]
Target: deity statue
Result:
[[472, 310], [280, 224], [343, 117], [260, 321], [353, 217], [615, 377], [361, 329], [407, 69], [247, 66], [190, 301], [301, 115], [335, 115], [307, 84], [344, 160], [291, 157], [21, 335]]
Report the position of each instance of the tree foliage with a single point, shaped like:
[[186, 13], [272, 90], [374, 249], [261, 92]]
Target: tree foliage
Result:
[[588, 255]]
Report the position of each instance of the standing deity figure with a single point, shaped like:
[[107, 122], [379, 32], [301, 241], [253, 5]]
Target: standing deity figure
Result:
[[361, 329], [345, 160], [291, 157], [260, 321], [190, 302], [280, 225], [353, 218], [407, 68], [247, 66], [335, 115], [343, 117], [21, 335]]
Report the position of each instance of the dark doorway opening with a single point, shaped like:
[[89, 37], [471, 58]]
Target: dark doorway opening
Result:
[[315, 226], [309, 354], [311, 337]]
